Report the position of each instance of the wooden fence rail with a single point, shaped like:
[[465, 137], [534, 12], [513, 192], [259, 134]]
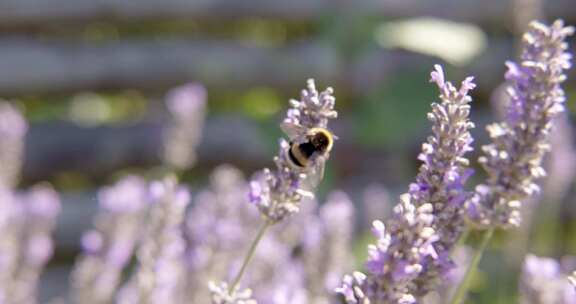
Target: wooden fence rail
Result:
[[39, 12], [28, 66], [31, 66], [97, 152]]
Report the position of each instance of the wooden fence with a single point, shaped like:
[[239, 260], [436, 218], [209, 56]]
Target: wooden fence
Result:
[[15, 13], [29, 64], [32, 63]]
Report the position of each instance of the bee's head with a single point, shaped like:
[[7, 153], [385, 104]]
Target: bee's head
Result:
[[321, 139]]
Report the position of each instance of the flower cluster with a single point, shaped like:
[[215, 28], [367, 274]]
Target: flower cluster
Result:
[[513, 160], [412, 249], [27, 218], [26, 224], [186, 105], [109, 246], [296, 262], [160, 274], [278, 194], [217, 227], [352, 288], [544, 281]]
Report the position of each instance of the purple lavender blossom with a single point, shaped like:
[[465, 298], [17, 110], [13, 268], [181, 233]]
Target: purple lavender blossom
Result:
[[13, 128], [412, 250], [561, 161], [275, 273], [186, 105], [290, 264], [160, 272], [513, 160], [544, 281], [352, 288], [109, 246], [26, 245], [278, 194], [218, 226], [328, 256], [41, 205]]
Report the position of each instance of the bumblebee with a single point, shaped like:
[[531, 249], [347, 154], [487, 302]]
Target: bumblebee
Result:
[[318, 143], [309, 147]]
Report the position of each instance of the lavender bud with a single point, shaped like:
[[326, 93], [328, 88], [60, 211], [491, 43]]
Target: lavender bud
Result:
[[221, 295], [278, 194], [412, 250], [109, 246], [160, 273], [26, 225], [186, 105], [353, 289], [41, 206], [513, 160]]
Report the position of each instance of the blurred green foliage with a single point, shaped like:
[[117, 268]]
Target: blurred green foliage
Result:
[[396, 112]]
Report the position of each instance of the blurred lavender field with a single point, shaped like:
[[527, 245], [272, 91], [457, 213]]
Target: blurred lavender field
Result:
[[131, 132]]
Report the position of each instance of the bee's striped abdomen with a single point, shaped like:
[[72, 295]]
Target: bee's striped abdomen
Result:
[[301, 153]]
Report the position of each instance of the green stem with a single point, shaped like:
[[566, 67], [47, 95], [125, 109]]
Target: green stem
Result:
[[460, 294], [249, 255], [462, 239]]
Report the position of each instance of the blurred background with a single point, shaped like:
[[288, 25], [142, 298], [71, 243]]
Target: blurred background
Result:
[[91, 77]]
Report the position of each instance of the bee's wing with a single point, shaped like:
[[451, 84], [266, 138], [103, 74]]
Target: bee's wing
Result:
[[317, 173], [292, 130], [313, 178]]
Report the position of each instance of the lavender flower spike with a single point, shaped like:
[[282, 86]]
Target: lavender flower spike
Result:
[[513, 160], [34, 221], [187, 107], [352, 288], [108, 248], [278, 194], [412, 249], [160, 275]]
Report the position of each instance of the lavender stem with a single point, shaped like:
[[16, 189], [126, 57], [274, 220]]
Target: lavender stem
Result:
[[462, 290], [462, 239], [464, 236], [249, 255]]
